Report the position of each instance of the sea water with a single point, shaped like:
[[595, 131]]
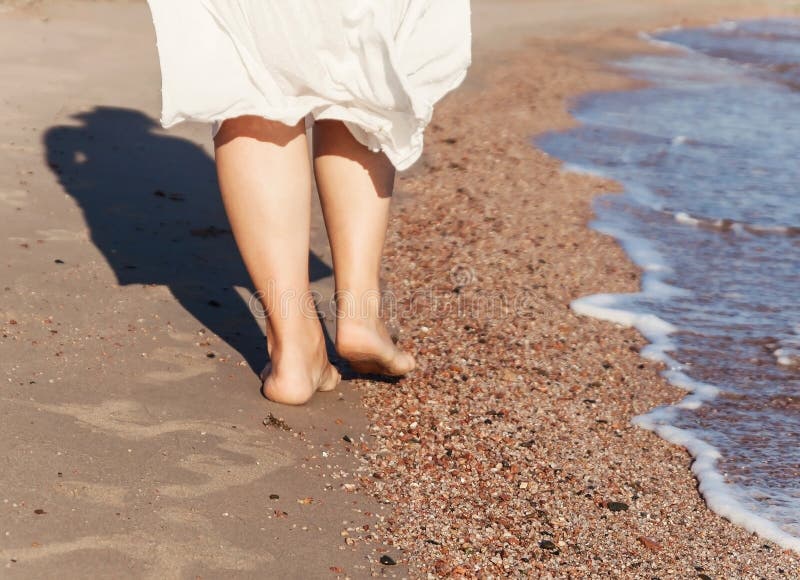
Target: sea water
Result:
[[709, 158]]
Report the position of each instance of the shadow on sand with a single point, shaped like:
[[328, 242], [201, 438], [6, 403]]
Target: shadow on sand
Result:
[[153, 208]]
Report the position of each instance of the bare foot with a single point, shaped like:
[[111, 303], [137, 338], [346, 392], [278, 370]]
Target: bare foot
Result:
[[293, 375], [369, 349]]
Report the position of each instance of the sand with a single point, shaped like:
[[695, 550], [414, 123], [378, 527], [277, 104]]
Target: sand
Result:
[[131, 412], [512, 454], [136, 443]]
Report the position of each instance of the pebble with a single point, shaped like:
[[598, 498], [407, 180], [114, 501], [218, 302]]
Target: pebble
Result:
[[617, 506], [387, 560], [273, 421], [548, 545], [650, 544]]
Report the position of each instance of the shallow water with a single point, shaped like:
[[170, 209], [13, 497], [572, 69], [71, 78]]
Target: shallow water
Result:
[[709, 156]]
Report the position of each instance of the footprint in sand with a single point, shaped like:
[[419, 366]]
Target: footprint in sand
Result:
[[129, 420], [183, 362], [112, 495], [241, 457], [166, 558]]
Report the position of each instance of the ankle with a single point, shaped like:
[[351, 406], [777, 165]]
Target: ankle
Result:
[[362, 305], [300, 338], [358, 328], [358, 336]]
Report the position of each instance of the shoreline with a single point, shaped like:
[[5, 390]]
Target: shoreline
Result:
[[650, 544], [708, 460]]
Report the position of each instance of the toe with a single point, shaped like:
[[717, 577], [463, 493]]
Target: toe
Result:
[[411, 363], [403, 363]]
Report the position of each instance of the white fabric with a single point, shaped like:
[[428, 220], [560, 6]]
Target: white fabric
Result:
[[378, 65]]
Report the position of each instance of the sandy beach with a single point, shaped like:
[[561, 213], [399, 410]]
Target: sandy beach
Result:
[[524, 440], [136, 442]]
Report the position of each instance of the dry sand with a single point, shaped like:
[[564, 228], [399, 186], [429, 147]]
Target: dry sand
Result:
[[131, 413], [133, 432]]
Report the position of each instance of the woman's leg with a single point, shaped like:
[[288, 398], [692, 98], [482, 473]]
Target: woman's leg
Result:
[[265, 179], [355, 187]]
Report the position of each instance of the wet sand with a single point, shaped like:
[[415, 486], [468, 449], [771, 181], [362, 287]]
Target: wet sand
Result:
[[133, 430]]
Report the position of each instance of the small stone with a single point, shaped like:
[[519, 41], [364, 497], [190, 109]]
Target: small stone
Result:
[[39, 512], [617, 506], [273, 421], [434, 542], [704, 577], [58, 261], [387, 560], [649, 543], [274, 496], [347, 439], [548, 545]]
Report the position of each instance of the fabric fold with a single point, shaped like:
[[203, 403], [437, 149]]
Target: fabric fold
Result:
[[380, 67]]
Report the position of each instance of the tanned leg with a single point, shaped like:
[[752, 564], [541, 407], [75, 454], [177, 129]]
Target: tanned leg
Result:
[[265, 179], [355, 187]]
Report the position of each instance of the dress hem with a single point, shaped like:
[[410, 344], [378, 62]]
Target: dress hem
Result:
[[400, 163]]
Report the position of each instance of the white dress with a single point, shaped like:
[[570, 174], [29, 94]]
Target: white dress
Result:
[[377, 65]]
